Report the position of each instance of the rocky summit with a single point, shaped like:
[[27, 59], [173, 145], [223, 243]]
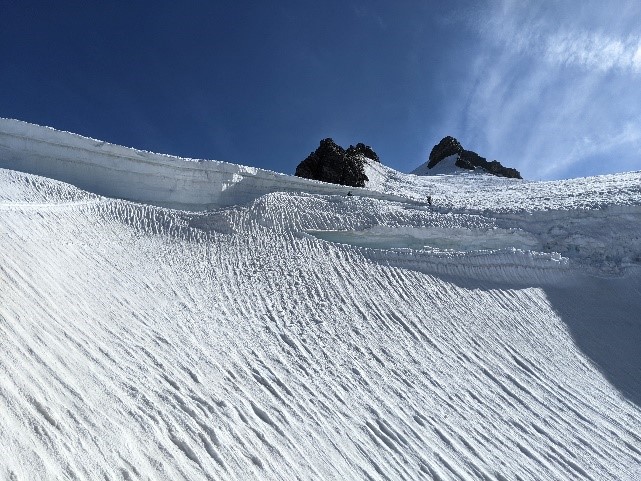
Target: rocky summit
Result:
[[332, 163], [467, 159]]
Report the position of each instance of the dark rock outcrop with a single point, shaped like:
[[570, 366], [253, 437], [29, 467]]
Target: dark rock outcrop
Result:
[[446, 147], [468, 159], [331, 163], [362, 149]]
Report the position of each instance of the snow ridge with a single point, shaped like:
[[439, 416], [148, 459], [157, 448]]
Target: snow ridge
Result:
[[141, 176]]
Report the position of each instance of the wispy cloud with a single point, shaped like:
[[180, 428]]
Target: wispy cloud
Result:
[[592, 35], [594, 51], [573, 46], [550, 89]]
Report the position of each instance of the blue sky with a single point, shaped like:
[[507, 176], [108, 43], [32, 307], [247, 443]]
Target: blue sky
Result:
[[550, 88]]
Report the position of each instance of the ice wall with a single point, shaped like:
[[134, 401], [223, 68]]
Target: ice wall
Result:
[[141, 176]]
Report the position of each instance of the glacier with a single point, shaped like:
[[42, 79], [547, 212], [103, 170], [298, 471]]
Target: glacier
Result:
[[167, 318]]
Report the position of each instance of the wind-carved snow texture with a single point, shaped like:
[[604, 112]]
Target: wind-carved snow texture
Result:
[[140, 342]]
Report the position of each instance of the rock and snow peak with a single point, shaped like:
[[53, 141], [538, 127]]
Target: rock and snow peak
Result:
[[460, 160]]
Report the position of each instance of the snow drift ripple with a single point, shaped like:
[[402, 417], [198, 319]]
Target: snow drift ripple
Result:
[[147, 343]]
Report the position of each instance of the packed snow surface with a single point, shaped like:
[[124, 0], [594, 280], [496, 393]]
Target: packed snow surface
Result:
[[306, 334]]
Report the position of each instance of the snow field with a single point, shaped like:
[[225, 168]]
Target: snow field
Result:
[[296, 333], [145, 343], [498, 195]]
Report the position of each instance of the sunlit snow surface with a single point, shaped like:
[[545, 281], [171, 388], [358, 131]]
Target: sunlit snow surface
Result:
[[494, 335]]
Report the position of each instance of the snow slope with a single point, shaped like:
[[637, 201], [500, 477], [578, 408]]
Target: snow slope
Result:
[[302, 335]]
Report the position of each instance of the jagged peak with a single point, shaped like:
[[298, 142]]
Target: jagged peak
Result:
[[466, 159], [332, 163]]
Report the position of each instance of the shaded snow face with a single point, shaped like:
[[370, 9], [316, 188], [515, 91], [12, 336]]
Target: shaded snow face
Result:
[[441, 238], [140, 176]]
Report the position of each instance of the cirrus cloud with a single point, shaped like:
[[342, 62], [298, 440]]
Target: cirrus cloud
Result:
[[552, 88]]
